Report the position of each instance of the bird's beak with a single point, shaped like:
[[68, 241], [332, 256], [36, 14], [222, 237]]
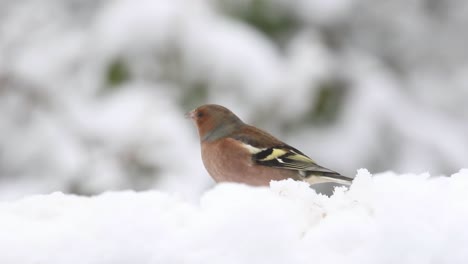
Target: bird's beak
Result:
[[190, 114]]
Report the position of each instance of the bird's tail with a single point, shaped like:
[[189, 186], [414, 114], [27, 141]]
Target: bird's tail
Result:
[[321, 175]]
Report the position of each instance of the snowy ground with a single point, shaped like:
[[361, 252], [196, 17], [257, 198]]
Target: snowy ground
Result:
[[384, 218]]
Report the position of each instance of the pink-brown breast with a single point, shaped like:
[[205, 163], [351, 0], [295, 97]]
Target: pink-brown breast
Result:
[[228, 161]]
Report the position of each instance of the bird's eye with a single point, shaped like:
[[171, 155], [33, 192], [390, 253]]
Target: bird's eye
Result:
[[199, 114]]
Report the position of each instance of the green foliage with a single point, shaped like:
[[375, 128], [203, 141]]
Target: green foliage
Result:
[[117, 73], [328, 102], [196, 95], [262, 15]]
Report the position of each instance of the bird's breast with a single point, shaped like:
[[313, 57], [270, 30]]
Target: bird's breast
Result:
[[226, 160]]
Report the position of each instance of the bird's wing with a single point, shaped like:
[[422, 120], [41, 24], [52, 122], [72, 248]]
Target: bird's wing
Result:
[[287, 157], [273, 153]]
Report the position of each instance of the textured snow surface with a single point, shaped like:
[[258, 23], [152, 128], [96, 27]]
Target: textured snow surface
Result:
[[383, 218]]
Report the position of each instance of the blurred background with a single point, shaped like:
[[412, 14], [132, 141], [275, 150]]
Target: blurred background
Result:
[[93, 92]]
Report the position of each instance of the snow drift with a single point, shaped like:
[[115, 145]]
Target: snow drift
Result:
[[385, 218]]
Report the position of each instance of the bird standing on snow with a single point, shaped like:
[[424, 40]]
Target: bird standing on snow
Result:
[[233, 151]]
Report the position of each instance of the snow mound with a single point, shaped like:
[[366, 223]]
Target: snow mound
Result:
[[385, 218]]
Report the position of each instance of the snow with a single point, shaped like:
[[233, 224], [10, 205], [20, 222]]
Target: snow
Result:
[[382, 218]]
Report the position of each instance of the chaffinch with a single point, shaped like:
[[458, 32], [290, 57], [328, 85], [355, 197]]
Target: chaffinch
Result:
[[233, 151]]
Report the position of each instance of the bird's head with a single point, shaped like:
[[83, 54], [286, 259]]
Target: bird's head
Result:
[[214, 121]]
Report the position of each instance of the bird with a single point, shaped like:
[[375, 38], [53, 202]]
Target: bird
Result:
[[233, 151]]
